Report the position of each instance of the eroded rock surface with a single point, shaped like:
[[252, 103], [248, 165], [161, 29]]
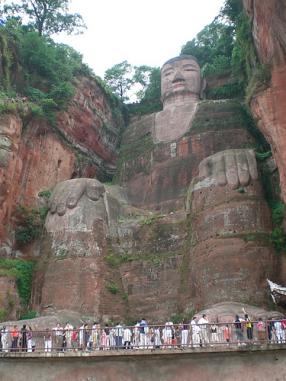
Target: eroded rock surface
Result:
[[10, 167], [230, 227], [34, 159], [268, 106]]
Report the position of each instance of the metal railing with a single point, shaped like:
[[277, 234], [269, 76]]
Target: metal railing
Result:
[[167, 336]]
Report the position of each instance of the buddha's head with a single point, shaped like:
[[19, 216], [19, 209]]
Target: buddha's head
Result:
[[181, 76]]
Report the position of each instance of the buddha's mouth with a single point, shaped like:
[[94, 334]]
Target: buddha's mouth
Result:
[[178, 85]]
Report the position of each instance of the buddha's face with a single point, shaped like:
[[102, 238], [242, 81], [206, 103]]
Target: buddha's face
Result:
[[182, 76]]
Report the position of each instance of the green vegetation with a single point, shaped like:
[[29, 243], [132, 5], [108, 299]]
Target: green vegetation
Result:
[[278, 236], [46, 71], [226, 47], [151, 219], [119, 79], [178, 318], [46, 16], [3, 314], [30, 314], [46, 193], [263, 155], [115, 260], [29, 223], [212, 47], [122, 77], [22, 271], [227, 91], [112, 287]]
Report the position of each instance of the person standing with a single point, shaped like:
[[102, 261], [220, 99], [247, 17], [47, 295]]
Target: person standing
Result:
[[261, 333], [226, 333], [184, 334], [24, 338], [58, 334], [74, 339], [167, 333], [249, 327], [30, 339], [118, 335], [279, 332], [136, 338], [14, 337], [203, 323], [127, 335], [68, 331], [48, 341], [214, 337], [143, 327], [238, 329], [5, 339], [195, 332]]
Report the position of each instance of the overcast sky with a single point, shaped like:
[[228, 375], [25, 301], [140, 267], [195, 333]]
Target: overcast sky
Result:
[[145, 32]]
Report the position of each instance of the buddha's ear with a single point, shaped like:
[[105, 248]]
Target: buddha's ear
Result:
[[203, 87]]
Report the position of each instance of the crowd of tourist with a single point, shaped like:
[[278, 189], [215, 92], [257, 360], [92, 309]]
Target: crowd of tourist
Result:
[[199, 332]]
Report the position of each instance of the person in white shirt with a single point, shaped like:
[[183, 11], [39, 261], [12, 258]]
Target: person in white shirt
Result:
[[118, 335], [203, 323], [58, 335], [195, 330], [5, 339], [127, 335], [167, 334], [280, 338], [68, 331]]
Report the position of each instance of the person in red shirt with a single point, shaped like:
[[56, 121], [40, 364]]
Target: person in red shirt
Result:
[[15, 337]]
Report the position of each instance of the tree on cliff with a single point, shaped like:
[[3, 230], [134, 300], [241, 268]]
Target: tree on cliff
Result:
[[46, 16], [119, 79], [150, 80], [212, 47]]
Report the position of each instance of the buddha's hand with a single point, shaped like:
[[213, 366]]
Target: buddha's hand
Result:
[[235, 167], [68, 193]]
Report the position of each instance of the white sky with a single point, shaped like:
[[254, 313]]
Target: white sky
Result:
[[147, 32]]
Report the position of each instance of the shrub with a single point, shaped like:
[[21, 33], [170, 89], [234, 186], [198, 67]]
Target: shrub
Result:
[[46, 193], [23, 272], [29, 315], [112, 287], [3, 314], [29, 223]]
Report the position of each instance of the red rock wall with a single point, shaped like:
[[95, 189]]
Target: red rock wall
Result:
[[10, 168], [268, 106], [82, 144], [232, 255]]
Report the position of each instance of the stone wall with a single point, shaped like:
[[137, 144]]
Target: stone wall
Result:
[[223, 365]]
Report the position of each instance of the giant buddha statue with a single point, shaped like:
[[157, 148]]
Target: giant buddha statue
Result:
[[189, 169]]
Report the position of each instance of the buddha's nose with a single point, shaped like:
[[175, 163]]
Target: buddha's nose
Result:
[[178, 77]]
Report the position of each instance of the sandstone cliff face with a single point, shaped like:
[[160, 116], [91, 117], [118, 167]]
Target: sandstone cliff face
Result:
[[37, 157], [10, 167], [268, 106]]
